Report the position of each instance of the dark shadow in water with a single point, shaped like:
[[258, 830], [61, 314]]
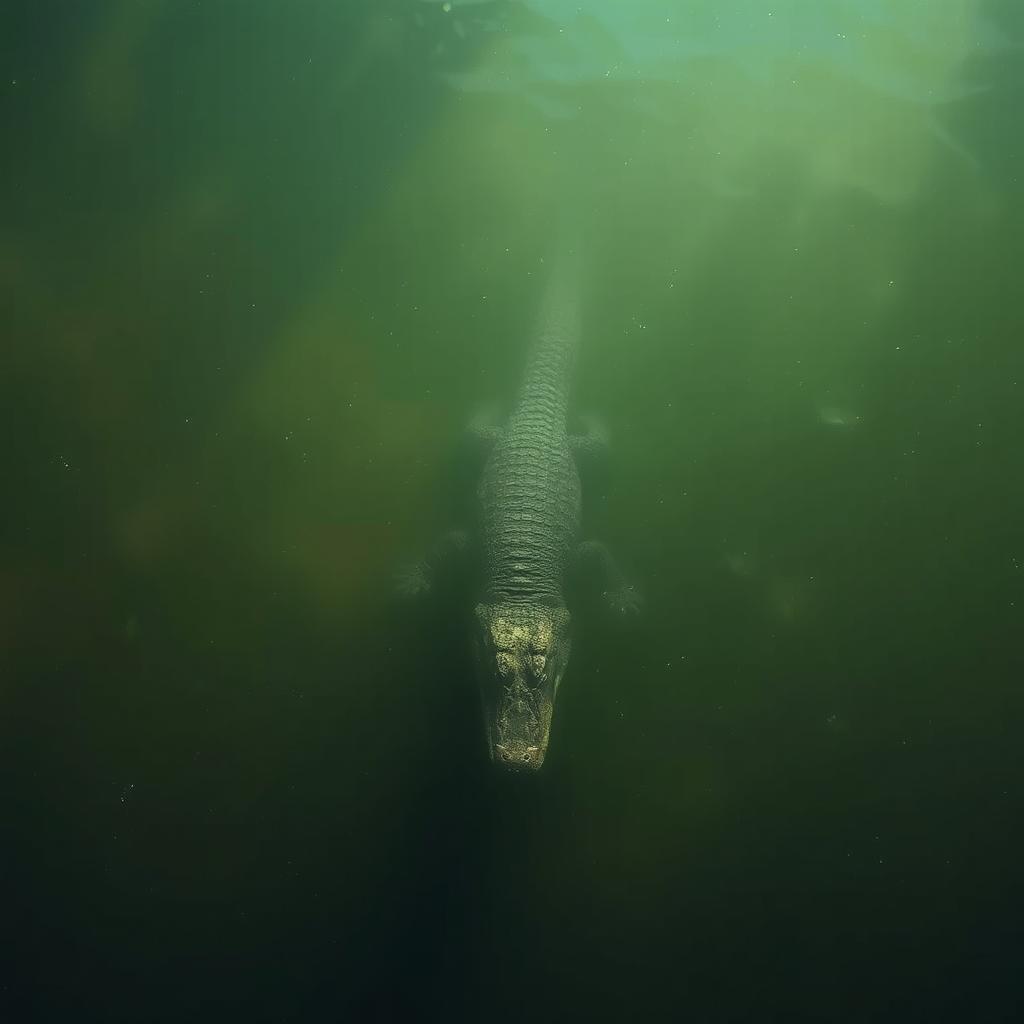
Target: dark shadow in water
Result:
[[223, 800]]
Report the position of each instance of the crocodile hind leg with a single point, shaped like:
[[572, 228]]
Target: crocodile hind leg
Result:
[[592, 442], [485, 428]]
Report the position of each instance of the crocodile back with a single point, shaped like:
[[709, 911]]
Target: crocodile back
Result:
[[529, 493]]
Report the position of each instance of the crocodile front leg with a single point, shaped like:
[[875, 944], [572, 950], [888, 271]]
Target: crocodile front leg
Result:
[[595, 564], [447, 558]]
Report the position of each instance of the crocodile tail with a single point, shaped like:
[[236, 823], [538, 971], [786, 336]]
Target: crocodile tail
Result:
[[562, 296]]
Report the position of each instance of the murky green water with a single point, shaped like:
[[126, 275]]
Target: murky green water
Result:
[[260, 262]]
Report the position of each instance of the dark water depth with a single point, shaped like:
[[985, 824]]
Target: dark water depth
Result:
[[259, 264]]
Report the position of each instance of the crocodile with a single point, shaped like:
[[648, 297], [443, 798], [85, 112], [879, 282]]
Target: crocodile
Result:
[[526, 553]]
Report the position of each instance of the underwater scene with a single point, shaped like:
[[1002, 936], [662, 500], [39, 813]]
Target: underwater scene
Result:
[[513, 510]]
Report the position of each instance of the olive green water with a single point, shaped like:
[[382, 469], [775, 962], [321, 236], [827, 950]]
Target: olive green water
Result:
[[260, 262]]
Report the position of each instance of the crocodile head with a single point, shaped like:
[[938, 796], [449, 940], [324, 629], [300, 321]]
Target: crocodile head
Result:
[[521, 653]]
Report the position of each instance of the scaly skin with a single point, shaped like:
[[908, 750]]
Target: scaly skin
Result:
[[529, 493]]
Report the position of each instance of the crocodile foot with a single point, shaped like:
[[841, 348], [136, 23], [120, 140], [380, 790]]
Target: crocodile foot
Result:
[[624, 601], [412, 582]]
